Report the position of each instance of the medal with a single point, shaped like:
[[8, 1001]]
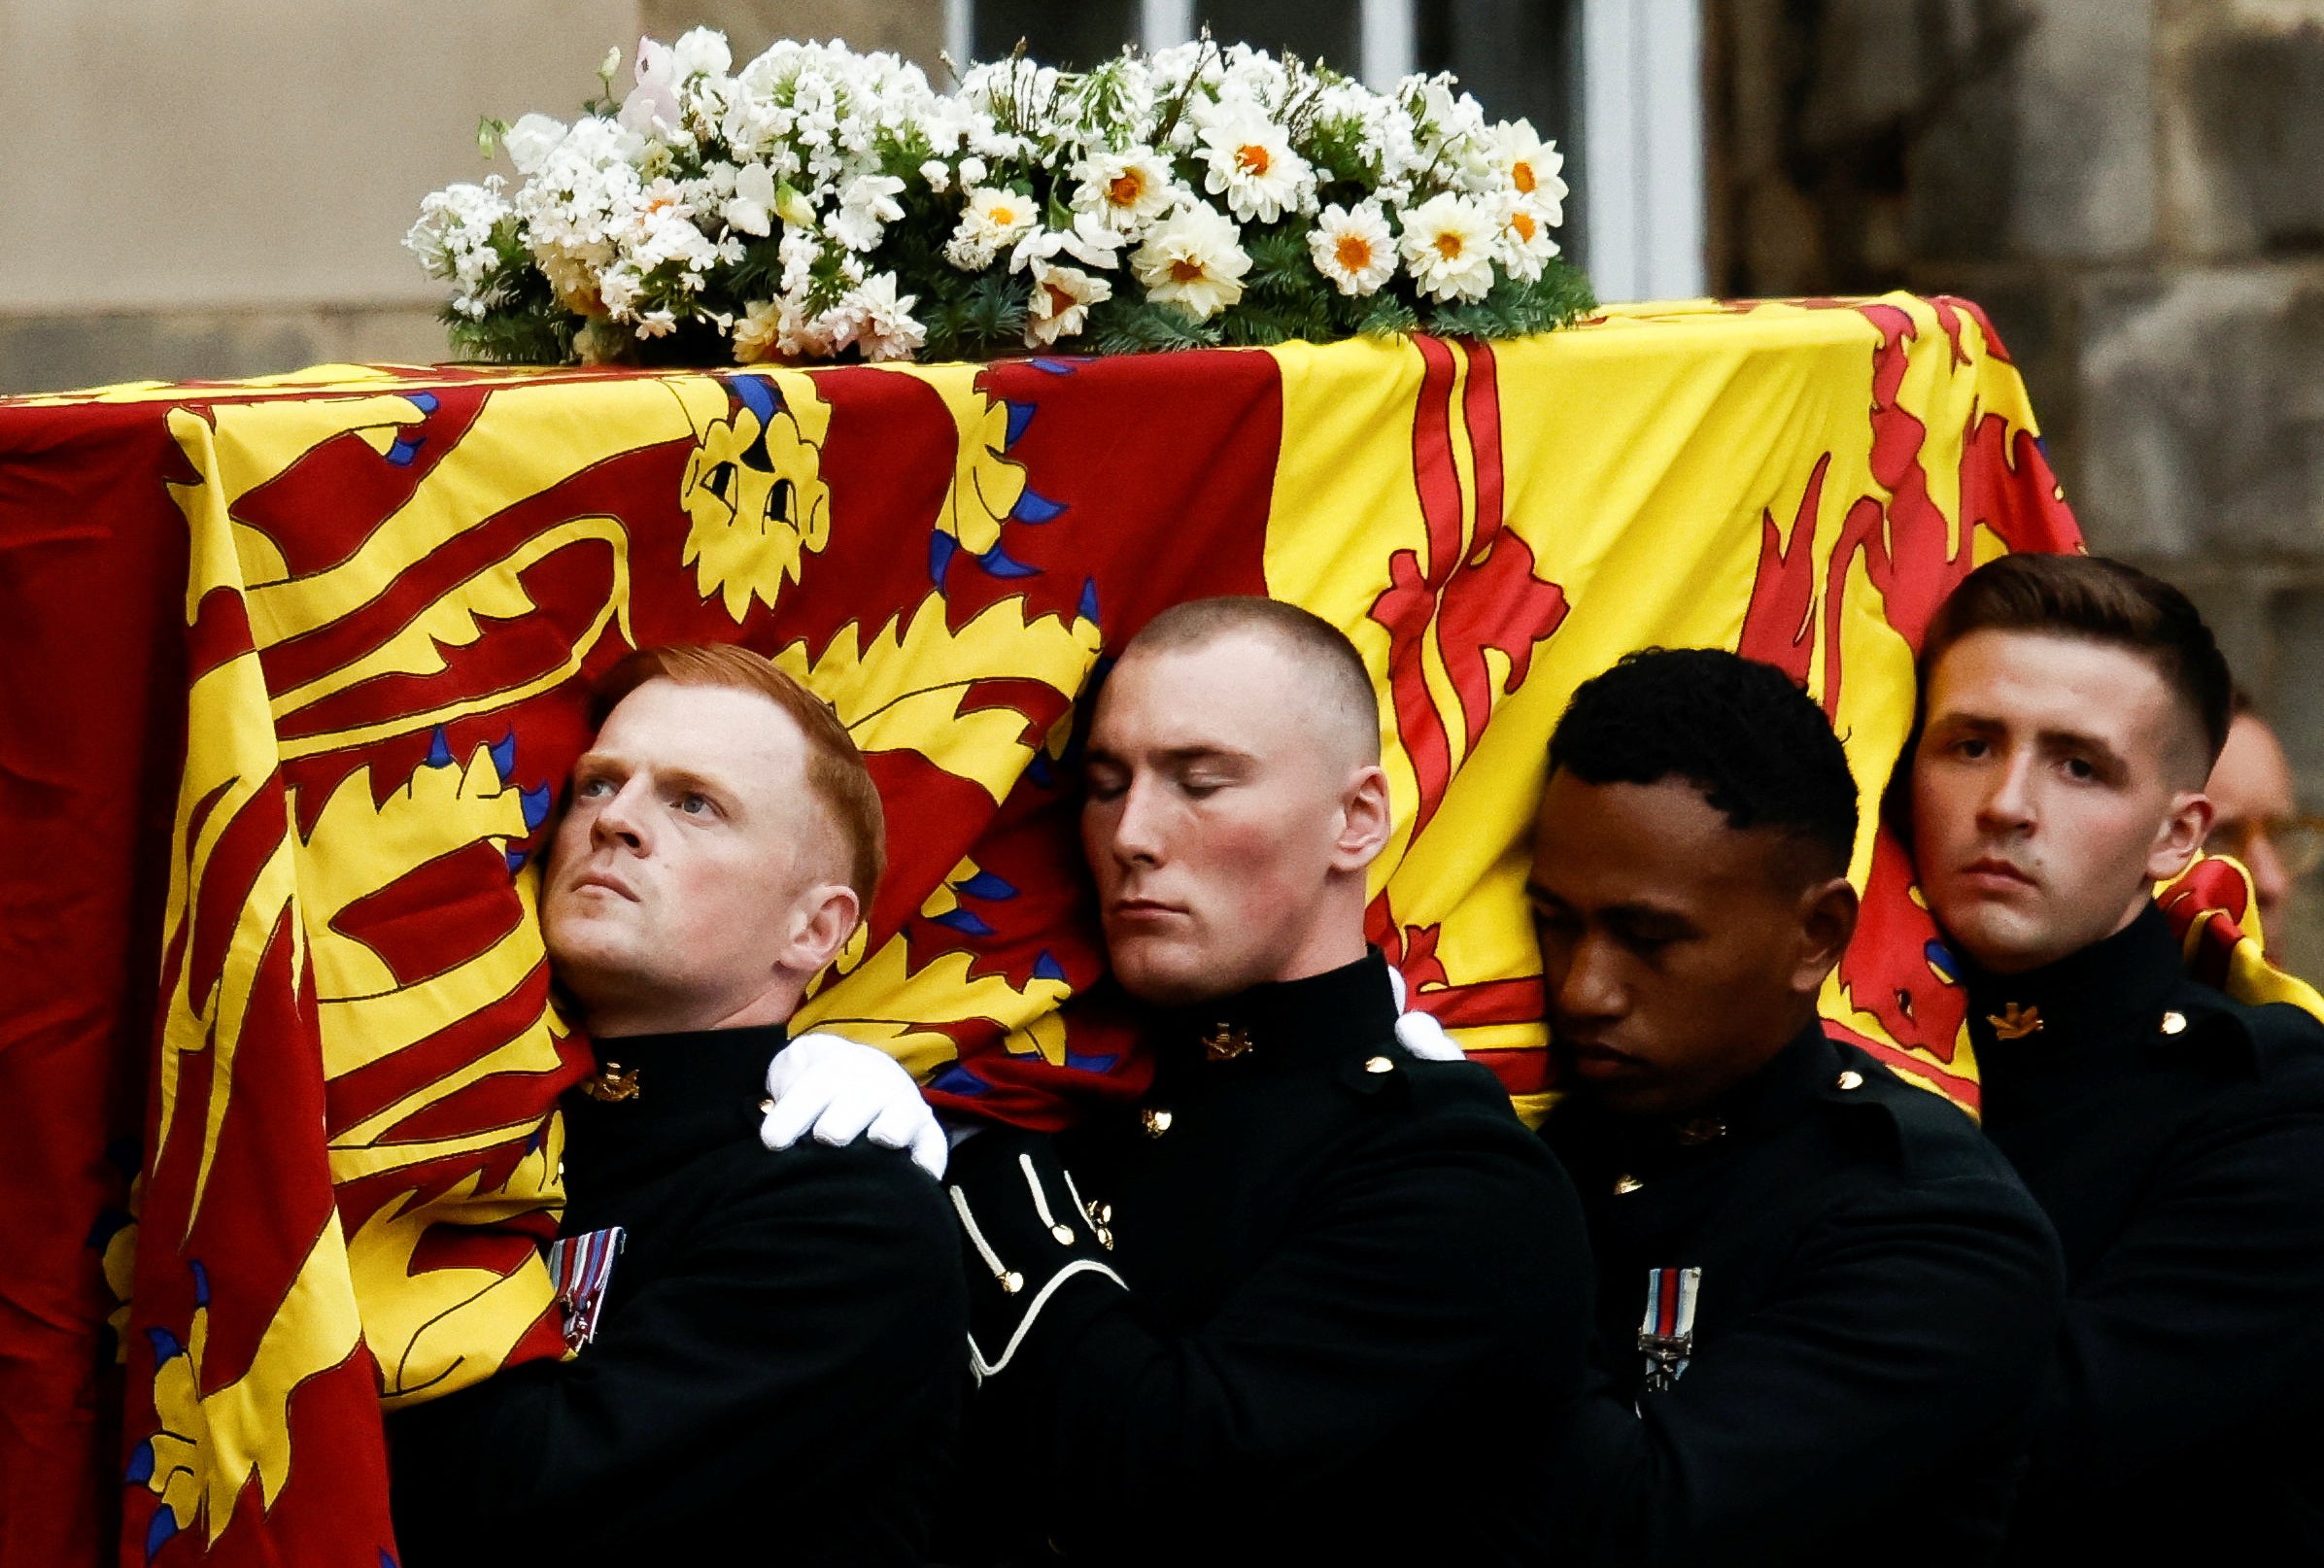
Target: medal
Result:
[[1666, 1334]]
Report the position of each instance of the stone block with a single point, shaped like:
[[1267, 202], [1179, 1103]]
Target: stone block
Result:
[[2243, 89], [2201, 415], [57, 352]]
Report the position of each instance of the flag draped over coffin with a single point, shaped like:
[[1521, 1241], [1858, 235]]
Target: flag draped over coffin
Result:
[[401, 583]]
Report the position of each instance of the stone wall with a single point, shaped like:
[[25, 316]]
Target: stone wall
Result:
[[2135, 188]]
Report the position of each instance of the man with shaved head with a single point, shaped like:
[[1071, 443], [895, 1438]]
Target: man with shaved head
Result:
[[1314, 1297]]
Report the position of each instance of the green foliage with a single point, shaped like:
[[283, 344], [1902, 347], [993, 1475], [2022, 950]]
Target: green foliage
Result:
[[1518, 309], [976, 318], [1128, 324]]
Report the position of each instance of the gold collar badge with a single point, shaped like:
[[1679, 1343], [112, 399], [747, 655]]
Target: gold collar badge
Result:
[[611, 1084], [1224, 1043], [2014, 1022]]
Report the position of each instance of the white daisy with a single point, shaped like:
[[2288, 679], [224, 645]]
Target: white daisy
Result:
[[1060, 303], [1193, 259], [1448, 247], [995, 214], [1525, 243], [1252, 165], [1126, 190], [1532, 167], [1354, 249]]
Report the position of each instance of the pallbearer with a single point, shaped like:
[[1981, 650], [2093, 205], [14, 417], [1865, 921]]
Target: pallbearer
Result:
[[1823, 1302], [768, 1343], [1314, 1299], [2071, 709]]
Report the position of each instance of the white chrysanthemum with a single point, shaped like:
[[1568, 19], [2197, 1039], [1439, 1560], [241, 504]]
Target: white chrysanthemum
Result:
[[1448, 247], [1127, 189], [1532, 169], [937, 174], [756, 333], [877, 322], [1252, 165], [995, 217], [1193, 259], [1525, 243], [866, 206], [1353, 248], [1060, 303]]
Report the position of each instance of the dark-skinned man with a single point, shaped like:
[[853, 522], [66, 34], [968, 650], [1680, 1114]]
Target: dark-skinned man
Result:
[[1823, 1300], [2071, 708], [1315, 1299]]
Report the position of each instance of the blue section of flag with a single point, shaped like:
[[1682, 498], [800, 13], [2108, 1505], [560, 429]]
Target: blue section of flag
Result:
[[958, 1080], [424, 401], [165, 1346], [535, 804], [1036, 508], [964, 922], [1088, 1064], [201, 1286], [1020, 415], [1046, 967], [439, 749], [405, 449], [504, 756], [985, 885], [999, 563], [1089, 600], [164, 1525], [941, 548], [141, 1463]]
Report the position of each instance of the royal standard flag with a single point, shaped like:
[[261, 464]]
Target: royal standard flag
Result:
[[377, 598]]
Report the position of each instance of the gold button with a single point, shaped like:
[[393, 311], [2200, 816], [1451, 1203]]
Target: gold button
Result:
[[1101, 1213], [1011, 1283], [1852, 1080], [561, 1173], [1104, 1238], [1063, 1232], [765, 1105], [1623, 1186], [1378, 1065], [1157, 1122], [2175, 1023]]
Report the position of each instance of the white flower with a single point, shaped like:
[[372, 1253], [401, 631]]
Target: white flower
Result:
[[531, 141], [657, 323], [971, 171], [1127, 189], [652, 109], [995, 216], [1448, 247], [655, 66], [702, 52], [1060, 303], [1252, 165], [1090, 242], [879, 324], [937, 175], [794, 208], [754, 334], [1525, 243], [1193, 259], [1531, 166], [751, 208], [866, 206], [1354, 249], [453, 240]]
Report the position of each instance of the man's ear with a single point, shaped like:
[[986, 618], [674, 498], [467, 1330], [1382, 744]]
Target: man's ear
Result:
[[1364, 819], [824, 918], [2181, 834], [1827, 920]]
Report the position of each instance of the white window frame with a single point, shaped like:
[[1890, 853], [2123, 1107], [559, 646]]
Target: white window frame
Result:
[[1641, 132]]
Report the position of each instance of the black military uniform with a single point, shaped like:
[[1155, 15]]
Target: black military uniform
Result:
[[1315, 1300], [2177, 1140], [1823, 1308], [777, 1368]]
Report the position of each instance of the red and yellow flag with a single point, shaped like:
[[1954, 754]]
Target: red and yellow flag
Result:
[[397, 585]]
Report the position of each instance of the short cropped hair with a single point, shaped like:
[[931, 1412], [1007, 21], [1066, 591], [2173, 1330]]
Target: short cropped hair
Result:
[[1757, 746], [835, 772], [2097, 600], [1321, 648]]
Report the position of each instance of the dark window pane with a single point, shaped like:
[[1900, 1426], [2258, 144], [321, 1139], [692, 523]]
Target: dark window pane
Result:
[[1077, 35], [1328, 31]]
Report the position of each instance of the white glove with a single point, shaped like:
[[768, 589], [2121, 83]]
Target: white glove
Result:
[[1418, 1031], [844, 1091]]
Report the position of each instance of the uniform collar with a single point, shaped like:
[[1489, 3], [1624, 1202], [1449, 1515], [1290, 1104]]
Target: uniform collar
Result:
[[691, 1090], [1348, 1010], [1776, 1095], [2116, 988]]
